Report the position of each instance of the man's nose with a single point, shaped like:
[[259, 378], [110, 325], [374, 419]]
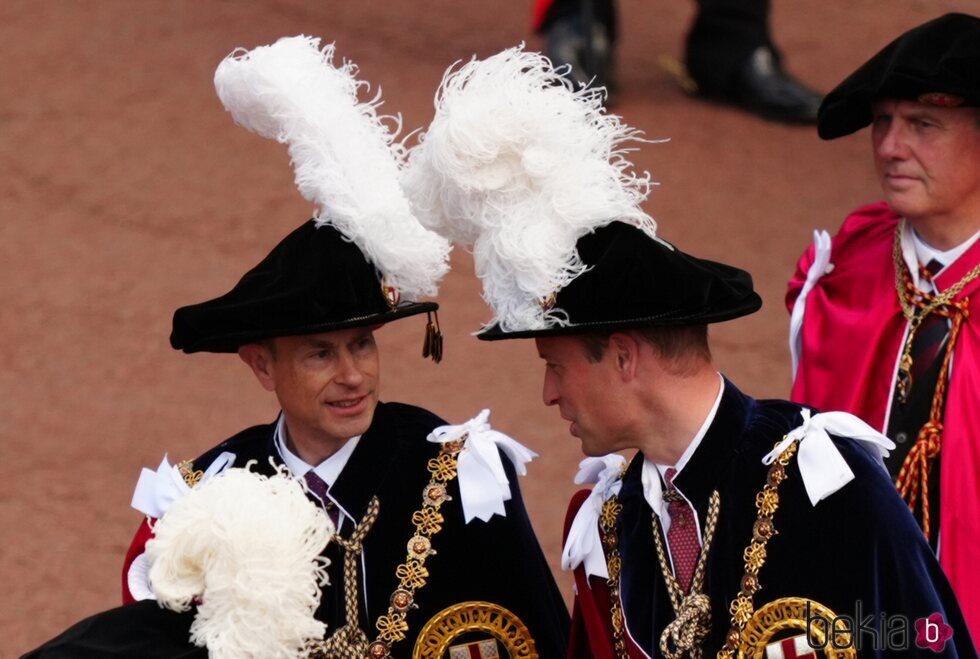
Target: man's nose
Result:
[[892, 145], [549, 393], [348, 371]]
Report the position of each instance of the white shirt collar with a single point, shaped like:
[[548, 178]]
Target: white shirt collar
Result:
[[328, 470], [916, 251], [652, 472]]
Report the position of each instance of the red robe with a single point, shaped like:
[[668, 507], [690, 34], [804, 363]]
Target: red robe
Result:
[[852, 333], [592, 634]]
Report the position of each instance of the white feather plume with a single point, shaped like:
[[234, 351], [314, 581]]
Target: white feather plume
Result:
[[519, 166], [248, 548], [345, 155]]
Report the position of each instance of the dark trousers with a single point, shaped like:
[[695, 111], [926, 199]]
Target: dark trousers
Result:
[[724, 33]]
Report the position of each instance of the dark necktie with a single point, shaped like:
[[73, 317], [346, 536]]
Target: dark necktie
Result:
[[932, 333], [906, 420], [682, 537], [318, 488]]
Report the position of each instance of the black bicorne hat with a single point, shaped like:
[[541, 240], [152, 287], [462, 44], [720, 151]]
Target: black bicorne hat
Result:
[[635, 281], [315, 280], [937, 63]]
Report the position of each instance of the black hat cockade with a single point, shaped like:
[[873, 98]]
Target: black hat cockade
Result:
[[364, 258], [532, 175], [936, 63]]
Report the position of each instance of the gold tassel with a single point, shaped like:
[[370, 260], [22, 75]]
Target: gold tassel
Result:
[[432, 346]]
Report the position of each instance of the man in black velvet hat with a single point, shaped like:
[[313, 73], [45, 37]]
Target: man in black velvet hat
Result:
[[740, 526], [882, 325], [432, 553]]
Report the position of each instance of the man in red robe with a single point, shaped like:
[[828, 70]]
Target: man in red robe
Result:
[[881, 314]]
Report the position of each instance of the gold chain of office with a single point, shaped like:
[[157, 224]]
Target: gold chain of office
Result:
[[349, 641], [913, 477], [767, 503], [741, 608]]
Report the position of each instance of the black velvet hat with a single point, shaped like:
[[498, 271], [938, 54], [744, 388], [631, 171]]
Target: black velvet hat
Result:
[[937, 63], [634, 280], [315, 280]]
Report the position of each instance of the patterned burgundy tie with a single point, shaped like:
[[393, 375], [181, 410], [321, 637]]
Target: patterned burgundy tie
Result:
[[932, 333], [685, 546], [319, 489]]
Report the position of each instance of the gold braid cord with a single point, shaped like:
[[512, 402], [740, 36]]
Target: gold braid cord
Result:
[[913, 478], [766, 502], [693, 611], [412, 574], [350, 641], [683, 637]]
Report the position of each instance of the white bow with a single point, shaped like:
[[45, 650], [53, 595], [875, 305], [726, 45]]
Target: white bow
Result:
[[483, 484], [822, 467], [583, 543], [157, 490]]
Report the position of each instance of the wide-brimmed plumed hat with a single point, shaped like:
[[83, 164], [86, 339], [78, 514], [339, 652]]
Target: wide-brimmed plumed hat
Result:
[[364, 259], [532, 175], [937, 63], [315, 280], [632, 281]]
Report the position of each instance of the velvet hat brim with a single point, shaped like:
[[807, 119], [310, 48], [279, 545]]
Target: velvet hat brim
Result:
[[313, 281], [636, 281], [932, 63]]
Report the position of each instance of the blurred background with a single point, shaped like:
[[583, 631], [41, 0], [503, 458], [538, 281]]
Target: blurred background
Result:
[[126, 191]]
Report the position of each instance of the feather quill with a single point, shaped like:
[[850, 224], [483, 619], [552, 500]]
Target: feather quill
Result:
[[345, 155]]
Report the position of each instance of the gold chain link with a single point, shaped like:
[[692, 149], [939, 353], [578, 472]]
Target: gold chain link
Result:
[[767, 503], [412, 574]]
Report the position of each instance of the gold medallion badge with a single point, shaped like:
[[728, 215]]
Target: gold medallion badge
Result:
[[392, 296], [491, 629], [796, 627]]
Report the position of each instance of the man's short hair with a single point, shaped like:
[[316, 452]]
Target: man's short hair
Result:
[[680, 346]]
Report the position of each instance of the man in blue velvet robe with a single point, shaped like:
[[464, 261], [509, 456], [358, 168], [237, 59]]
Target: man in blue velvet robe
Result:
[[808, 550]]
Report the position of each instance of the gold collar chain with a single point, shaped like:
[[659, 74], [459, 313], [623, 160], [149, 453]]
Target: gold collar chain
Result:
[[766, 502], [684, 633], [916, 305], [349, 641]]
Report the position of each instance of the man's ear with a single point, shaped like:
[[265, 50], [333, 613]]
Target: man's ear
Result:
[[624, 350], [259, 359]]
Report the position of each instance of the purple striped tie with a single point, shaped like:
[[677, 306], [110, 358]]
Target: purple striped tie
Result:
[[319, 489]]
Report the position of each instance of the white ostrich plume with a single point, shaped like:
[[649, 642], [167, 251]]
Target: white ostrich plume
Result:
[[518, 166], [345, 154], [247, 548]]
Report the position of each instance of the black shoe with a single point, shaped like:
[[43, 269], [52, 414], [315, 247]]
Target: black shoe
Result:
[[588, 61], [762, 87]]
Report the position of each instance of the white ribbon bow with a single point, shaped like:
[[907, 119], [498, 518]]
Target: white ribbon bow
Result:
[[157, 490], [820, 266], [583, 543], [483, 484], [822, 467]]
